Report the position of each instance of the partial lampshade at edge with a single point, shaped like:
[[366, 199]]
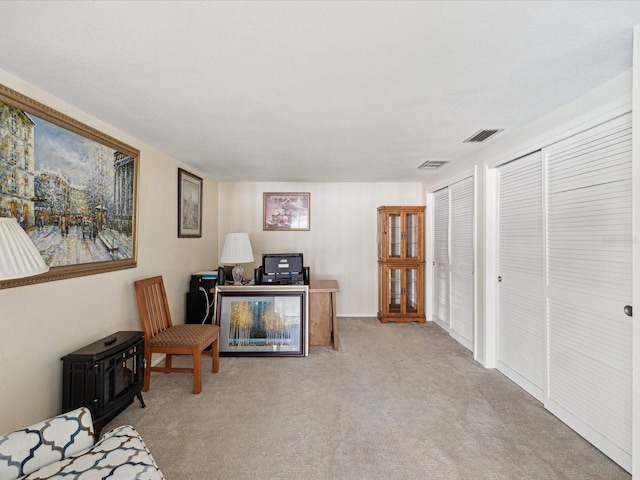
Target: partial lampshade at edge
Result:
[[19, 257]]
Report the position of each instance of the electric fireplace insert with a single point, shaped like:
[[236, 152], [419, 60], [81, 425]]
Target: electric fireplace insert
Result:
[[105, 376]]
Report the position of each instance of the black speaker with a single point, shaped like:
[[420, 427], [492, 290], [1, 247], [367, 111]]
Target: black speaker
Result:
[[225, 274], [200, 307], [201, 281]]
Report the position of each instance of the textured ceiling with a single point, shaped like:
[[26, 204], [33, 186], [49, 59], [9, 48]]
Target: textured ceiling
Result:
[[316, 91]]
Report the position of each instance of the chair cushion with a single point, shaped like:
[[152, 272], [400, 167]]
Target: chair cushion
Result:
[[190, 336]]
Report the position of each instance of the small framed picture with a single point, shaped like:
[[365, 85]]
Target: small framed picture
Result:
[[189, 205], [286, 211]]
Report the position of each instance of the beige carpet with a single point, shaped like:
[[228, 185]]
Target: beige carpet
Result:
[[397, 401]]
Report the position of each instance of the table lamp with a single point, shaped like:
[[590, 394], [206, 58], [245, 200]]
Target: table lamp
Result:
[[19, 257], [237, 249]]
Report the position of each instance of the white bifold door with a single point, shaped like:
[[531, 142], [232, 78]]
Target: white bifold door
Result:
[[589, 285], [454, 260], [461, 267], [441, 258], [565, 281], [520, 273]]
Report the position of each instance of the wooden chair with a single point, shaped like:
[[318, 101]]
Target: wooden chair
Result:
[[161, 336]]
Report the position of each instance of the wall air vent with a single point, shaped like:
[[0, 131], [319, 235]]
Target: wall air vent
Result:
[[432, 164], [481, 136]]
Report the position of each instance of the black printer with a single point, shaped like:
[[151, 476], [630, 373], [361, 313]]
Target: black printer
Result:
[[282, 269]]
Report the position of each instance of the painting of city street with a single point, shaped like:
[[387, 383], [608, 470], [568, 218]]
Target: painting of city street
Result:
[[72, 189], [261, 323]]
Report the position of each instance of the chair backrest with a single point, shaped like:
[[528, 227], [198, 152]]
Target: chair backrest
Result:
[[153, 307]]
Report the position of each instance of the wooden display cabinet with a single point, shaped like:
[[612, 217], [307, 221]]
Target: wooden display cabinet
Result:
[[400, 293], [401, 264], [401, 233]]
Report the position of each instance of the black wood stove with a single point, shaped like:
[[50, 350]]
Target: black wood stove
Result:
[[104, 376]]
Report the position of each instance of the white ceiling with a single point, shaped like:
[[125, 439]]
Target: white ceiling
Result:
[[316, 91]]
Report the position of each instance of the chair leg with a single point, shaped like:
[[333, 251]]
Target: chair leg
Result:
[[197, 371], [215, 356], [147, 369], [167, 360]]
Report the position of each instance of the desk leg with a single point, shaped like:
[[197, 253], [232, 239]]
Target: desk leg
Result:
[[334, 321]]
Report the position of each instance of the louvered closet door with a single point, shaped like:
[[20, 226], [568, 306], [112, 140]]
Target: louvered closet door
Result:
[[461, 267], [521, 344], [441, 258], [589, 284]]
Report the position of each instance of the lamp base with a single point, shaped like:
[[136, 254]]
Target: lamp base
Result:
[[237, 274]]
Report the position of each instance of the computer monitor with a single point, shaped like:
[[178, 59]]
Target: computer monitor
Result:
[[281, 263], [282, 269]]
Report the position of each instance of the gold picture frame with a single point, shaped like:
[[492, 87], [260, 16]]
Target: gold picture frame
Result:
[[72, 188], [286, 211]]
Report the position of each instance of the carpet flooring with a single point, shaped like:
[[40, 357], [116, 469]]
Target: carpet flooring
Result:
[[397, 401]]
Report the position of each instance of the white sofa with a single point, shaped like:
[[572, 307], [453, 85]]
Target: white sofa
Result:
[[63, 447]]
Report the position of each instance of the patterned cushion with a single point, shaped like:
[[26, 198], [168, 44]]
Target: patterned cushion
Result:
[[184, 336], [121, 454], [25, 451], [62, 448]]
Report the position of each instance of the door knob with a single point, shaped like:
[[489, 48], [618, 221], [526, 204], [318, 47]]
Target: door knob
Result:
[[499, 279], [628, 310]]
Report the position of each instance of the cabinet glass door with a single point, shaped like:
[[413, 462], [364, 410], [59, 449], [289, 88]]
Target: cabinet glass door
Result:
[[395, 290], [395, 235], [411, 290], [411, 236]]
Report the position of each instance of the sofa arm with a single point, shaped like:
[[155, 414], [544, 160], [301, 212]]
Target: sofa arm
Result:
[[27, 450], [120, 455]]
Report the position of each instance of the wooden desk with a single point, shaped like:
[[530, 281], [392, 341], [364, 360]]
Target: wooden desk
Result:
[[323, 322]]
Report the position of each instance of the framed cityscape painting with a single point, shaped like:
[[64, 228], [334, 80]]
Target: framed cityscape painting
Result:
[[262, 320], [72, 188]]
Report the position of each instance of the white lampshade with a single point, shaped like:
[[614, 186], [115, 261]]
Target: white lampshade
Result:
[[237, 249], [19, 257]]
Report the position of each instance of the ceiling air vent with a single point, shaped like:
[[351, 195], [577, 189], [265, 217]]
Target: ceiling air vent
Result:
[[481, 136], [432, 164]]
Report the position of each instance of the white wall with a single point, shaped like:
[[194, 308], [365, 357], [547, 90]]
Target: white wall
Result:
[[566, 120], [341, 244], [41, 323]]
